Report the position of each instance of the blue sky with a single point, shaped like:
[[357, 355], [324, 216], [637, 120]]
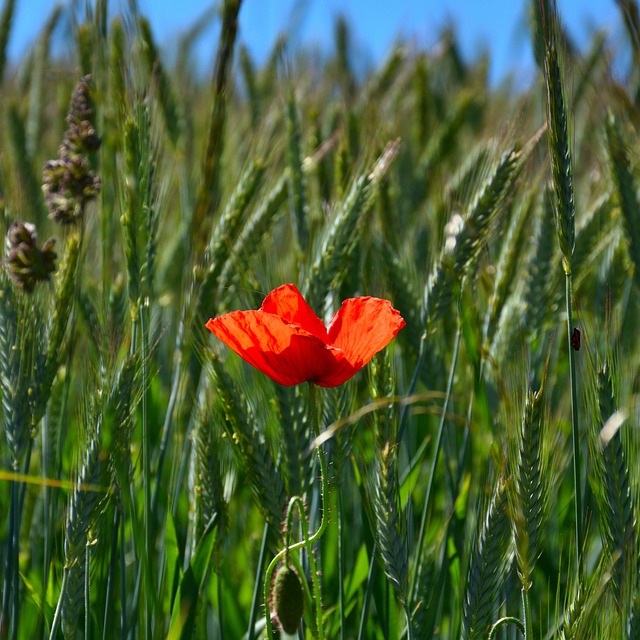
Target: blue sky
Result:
[[496, 25]]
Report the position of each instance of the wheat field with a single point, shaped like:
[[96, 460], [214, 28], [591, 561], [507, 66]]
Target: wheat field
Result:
[[478, 478]]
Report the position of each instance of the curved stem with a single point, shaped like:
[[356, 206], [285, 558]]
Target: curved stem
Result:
[[505, 620], [307, 541]]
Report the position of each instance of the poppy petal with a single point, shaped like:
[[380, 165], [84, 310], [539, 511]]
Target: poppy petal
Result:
[[362, 327], [284, 352], [287, 302], [339, 373]]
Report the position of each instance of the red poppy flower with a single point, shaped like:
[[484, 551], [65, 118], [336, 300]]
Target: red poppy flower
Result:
[[289, 343]]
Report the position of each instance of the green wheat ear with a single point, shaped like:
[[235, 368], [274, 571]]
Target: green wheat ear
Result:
[[164, 89], [252, 237], [506, 269], [328, 269], [82, 518], [205, 477], [467, 238], [208, 196], [249, 447], [489, 564], [390, 528], [27, 180], [297, 178], [5, 31], [531, 488], [296, 440], [18, 340], [626, 191], [612, 488], [221, 248], [62, 306], [559, 146]]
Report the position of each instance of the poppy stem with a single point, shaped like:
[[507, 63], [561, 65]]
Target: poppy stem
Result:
[[316, 427], [307, 541]]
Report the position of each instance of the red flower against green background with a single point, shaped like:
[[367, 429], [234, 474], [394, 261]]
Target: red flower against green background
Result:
[[287, 341]]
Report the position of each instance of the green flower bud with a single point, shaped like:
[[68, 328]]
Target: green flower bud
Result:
[[288, 598]]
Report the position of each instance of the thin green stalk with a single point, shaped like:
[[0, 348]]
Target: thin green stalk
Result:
[[438, 446], [57, 615], [168, 419], [146, 466], [407, 617], [526, 612], [220, 607], [341, 564], [123, 581], [256, 590], [575, 431], [112, 567], [87, 599], [316, 426], [8, 566], [387, 607], [367, 594], [14, 538], [22, 490]]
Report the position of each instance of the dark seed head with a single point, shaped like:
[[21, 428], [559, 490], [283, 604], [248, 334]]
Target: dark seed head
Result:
[[26, 263], [68, 182]]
